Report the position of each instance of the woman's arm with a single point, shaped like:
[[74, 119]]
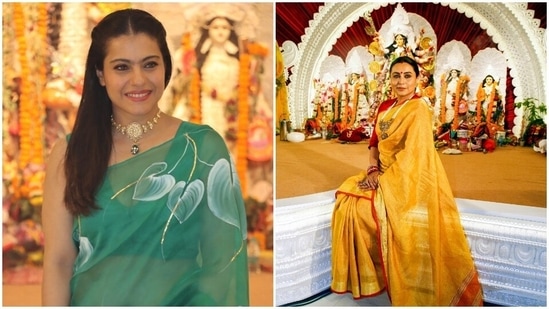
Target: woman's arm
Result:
[[57, 222], [374, 156], [371, 180]]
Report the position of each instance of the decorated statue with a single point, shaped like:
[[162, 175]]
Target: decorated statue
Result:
[[454, 92], [453, 63], [489, 105], [217, 58], [354, 90], [488, 67], [404, 34], [218, 70], [282, 110], [356, 64], [330, 94], [399, 47]]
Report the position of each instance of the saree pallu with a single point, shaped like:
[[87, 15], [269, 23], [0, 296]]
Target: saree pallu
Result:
[[171, 229], [406, 236]]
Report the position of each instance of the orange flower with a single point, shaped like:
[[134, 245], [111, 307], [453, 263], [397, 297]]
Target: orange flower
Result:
[[194, 97], [33, 73], [243, 112], [429, 92], [257, 49]]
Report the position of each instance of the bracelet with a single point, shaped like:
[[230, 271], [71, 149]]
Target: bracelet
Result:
[[371, 169]]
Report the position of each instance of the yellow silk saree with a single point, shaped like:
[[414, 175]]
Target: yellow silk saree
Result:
[[405, 236]]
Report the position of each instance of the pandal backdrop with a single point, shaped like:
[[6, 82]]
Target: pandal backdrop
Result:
[[44, 50], [464, 84]]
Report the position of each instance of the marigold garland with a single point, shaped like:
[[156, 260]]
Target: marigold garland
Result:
[[481, 96], [43, 37], [31, 41], [194, 86], [26, 114], [257, 49], [10, 171], [457, 99], [444, 86], [194, 97], [24, 121], [243, 119], [107, 8], [282, 110], [336, 102], [356, 89]]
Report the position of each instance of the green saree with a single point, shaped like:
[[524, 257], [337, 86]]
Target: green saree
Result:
[[171, 230]]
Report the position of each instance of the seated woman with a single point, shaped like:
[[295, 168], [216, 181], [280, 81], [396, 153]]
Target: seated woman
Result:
[[396, 226]]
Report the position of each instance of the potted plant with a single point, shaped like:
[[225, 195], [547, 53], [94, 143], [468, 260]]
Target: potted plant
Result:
[[533, 123]]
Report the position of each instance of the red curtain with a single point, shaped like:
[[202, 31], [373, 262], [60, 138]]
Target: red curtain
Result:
[[448, 24]]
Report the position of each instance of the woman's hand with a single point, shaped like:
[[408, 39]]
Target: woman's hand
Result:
[[370, 182]]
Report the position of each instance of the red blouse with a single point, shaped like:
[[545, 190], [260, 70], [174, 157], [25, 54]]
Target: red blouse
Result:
[[374, 140]]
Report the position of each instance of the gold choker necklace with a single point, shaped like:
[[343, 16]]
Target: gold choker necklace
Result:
[[135, 130], [384, 125]]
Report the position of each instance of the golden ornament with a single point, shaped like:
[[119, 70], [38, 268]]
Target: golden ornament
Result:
[[375, 49], [374, 67], [425, 43]]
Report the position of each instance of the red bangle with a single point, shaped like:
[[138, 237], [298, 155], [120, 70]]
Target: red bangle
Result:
[[371, 169]]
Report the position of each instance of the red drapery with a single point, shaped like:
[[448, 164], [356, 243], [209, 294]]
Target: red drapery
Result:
[[448, 24]]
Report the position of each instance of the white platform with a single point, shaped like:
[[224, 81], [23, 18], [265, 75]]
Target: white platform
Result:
[[508, 242]]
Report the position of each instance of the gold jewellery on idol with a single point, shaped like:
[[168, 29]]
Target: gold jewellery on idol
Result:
[[135, 130]]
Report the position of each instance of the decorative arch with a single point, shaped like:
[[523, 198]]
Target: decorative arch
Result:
[[511, 26]]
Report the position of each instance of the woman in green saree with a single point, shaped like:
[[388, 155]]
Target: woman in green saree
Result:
[[396, 226], [140, 208]]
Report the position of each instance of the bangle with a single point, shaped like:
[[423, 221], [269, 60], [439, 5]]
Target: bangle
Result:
[[371, 169]]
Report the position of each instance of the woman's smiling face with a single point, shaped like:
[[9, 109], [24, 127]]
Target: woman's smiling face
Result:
[[133, 75]]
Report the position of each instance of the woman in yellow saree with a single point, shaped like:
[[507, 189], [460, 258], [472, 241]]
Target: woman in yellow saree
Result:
[[396, 226]]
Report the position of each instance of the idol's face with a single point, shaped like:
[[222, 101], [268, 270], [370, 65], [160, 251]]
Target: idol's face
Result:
[[219, 30], [399, 39]]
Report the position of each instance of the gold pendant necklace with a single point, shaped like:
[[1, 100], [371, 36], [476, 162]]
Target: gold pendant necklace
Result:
[[135, 131], [384, 125]]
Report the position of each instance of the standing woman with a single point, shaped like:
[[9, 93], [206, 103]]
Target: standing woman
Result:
[[396, 226], [140, 208]]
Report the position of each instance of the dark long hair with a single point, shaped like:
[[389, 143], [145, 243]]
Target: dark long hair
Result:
[[90, 144], [201, 57]]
